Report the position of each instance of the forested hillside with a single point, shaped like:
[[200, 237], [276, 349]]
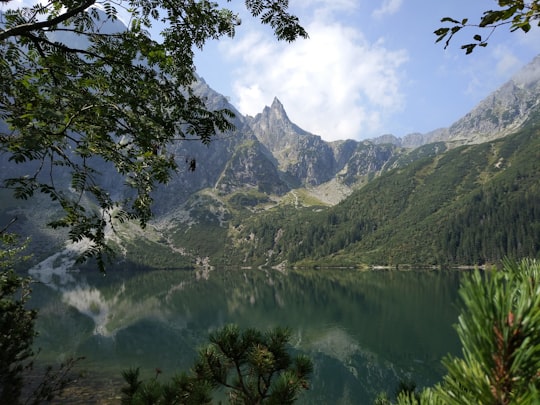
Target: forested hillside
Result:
[[471, 205]]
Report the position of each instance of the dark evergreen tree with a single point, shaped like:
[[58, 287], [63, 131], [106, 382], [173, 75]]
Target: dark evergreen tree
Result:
[[249, 367]]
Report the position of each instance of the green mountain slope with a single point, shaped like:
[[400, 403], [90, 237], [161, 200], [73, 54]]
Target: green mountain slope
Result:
[[261, 195], [471, 205]]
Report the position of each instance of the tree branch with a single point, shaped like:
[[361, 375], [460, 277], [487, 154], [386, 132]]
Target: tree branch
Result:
[[66, 48], [26, 28], [5, 228]]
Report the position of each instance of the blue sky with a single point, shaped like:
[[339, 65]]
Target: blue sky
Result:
[[370, 67]]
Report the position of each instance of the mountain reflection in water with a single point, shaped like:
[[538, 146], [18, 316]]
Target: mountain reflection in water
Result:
[[364, 330]]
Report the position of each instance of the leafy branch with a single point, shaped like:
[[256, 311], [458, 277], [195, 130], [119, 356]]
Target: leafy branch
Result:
[[518, 14]]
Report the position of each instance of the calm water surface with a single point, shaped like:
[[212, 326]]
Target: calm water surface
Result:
[[364, 330]]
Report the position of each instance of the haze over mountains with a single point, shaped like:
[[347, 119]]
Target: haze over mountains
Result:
[[249, 186]]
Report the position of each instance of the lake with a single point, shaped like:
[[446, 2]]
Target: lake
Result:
[[364, 330]]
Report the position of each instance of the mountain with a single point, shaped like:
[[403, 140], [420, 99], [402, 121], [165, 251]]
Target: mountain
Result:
[[270, 192], [501, 113], [474, 204], [436, 204]]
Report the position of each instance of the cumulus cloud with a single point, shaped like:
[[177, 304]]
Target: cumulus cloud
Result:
[[388, 7], [336, 84]]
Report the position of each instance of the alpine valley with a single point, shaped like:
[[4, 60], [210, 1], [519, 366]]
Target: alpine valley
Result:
[[273, 194]]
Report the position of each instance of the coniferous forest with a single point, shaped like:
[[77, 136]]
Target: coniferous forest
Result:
[[472, 205]]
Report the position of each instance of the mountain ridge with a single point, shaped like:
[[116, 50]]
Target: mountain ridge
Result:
[[302, 157], [497, 115], [271, 164]]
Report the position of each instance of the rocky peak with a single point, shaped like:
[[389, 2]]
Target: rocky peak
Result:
[[386, 138], [499, 114], [276, 111], [276, 118], [274, 129], [305, 158]]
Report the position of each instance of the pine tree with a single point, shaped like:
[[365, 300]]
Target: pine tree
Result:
[[252, 367], [499, 331]]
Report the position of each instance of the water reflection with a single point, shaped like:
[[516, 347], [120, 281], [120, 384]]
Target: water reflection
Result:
[[365, 330]]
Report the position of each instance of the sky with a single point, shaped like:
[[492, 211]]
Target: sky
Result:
[[369, 67]]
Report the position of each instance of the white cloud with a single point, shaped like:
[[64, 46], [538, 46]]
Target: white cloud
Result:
[[335, 84], [506, 62], [15, 4], [327, 6], [388, 7], [486, 74]]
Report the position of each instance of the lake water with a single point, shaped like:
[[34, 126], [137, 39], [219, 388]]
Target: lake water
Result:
[[365, 331]]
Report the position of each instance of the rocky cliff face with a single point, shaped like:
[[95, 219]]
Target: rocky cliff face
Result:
[[499, 114], [308, 161], [250, 168], [368, 160]]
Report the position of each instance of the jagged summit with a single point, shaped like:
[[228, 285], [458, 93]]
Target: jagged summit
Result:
[[501, 113], [277, 108], [276, 112], [274, 122]]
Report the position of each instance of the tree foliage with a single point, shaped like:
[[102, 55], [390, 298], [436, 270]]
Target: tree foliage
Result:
[[251, 367], [498, 329], [17, 333], [518, 14], [81, 95]]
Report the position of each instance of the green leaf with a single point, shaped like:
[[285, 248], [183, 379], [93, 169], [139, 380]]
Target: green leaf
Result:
[[441, 32], [491, 17], [525, 27], [448, 19], [468, 48]]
